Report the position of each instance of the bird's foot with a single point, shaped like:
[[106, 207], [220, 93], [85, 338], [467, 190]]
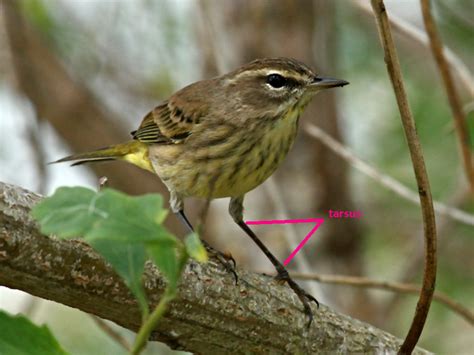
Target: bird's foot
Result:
[[225, 259], [304, 296]]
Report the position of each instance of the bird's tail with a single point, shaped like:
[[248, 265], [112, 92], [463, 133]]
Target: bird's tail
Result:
[[134, 152]]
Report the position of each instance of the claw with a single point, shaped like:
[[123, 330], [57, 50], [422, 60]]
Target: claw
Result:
[[304, 296], [225, 259], [230, 258], [229, 265]]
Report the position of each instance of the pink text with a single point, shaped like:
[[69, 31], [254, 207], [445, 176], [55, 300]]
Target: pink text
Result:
[[345, 214]]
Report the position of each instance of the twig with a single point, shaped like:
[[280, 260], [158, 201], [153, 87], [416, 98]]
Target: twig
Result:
[[429, 273], [39, 154], [111, 332], [384, 179], [389, 286], [411, 31], [103, 182], [460, 124]]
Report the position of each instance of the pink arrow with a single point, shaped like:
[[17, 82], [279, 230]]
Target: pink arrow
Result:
[[318, 222]]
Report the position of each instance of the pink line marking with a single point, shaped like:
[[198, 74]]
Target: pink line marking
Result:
[[318, 221]]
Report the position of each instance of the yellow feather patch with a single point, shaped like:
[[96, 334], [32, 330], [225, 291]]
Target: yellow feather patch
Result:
[[139, 157]]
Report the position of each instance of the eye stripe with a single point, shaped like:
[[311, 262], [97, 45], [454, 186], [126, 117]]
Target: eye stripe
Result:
[[299, 77]]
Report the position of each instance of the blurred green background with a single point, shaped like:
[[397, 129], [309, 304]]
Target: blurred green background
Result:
[[70, 68]]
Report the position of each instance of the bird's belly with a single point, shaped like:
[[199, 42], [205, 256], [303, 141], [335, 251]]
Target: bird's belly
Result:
[[235, 173]]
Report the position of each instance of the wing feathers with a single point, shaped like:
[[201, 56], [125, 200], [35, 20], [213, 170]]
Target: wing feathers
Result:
[[165, 124]]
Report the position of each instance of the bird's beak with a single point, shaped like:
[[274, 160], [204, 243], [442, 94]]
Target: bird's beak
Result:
[[320, 83]]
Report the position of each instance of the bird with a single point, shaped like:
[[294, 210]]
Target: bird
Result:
[[222, 137]]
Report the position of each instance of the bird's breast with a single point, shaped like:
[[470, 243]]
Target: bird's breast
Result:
[[230, 165]]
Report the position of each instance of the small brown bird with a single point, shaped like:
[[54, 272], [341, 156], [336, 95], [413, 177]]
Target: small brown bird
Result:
[[223, 137]]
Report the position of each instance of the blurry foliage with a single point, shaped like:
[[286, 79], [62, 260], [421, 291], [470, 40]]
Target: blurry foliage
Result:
[[36, 13], [59, 34], [457, 25]]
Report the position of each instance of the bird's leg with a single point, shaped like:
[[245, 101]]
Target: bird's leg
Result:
[[236, 211], [225, 259], [185, 221]]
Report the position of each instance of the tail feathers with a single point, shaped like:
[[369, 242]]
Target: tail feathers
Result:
[[134, 152], [107, 153], [85, 161]]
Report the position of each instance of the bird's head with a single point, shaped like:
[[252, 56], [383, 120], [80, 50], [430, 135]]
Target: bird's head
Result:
[[275, 85]]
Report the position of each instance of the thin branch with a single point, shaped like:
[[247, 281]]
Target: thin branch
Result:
[[39, 154], [460, 123], [414, 33], [384, 179], [210, 314], [116, 336], [429, 274], [389, 286]]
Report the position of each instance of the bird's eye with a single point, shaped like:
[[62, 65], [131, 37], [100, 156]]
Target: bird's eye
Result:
[[276, 80]]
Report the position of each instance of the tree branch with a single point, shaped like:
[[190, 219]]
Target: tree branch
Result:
[[210, 315], [421, 175]]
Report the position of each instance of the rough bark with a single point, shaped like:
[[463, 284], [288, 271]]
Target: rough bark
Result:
[[211, 315]]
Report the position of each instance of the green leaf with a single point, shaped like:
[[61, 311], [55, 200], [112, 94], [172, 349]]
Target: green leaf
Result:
[[128, 260], [108, 214], [195, 248], [19, 336], [69, 212], [130, 219], [122, 228]]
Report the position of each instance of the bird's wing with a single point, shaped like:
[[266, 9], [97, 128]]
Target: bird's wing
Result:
[[166, 124]]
